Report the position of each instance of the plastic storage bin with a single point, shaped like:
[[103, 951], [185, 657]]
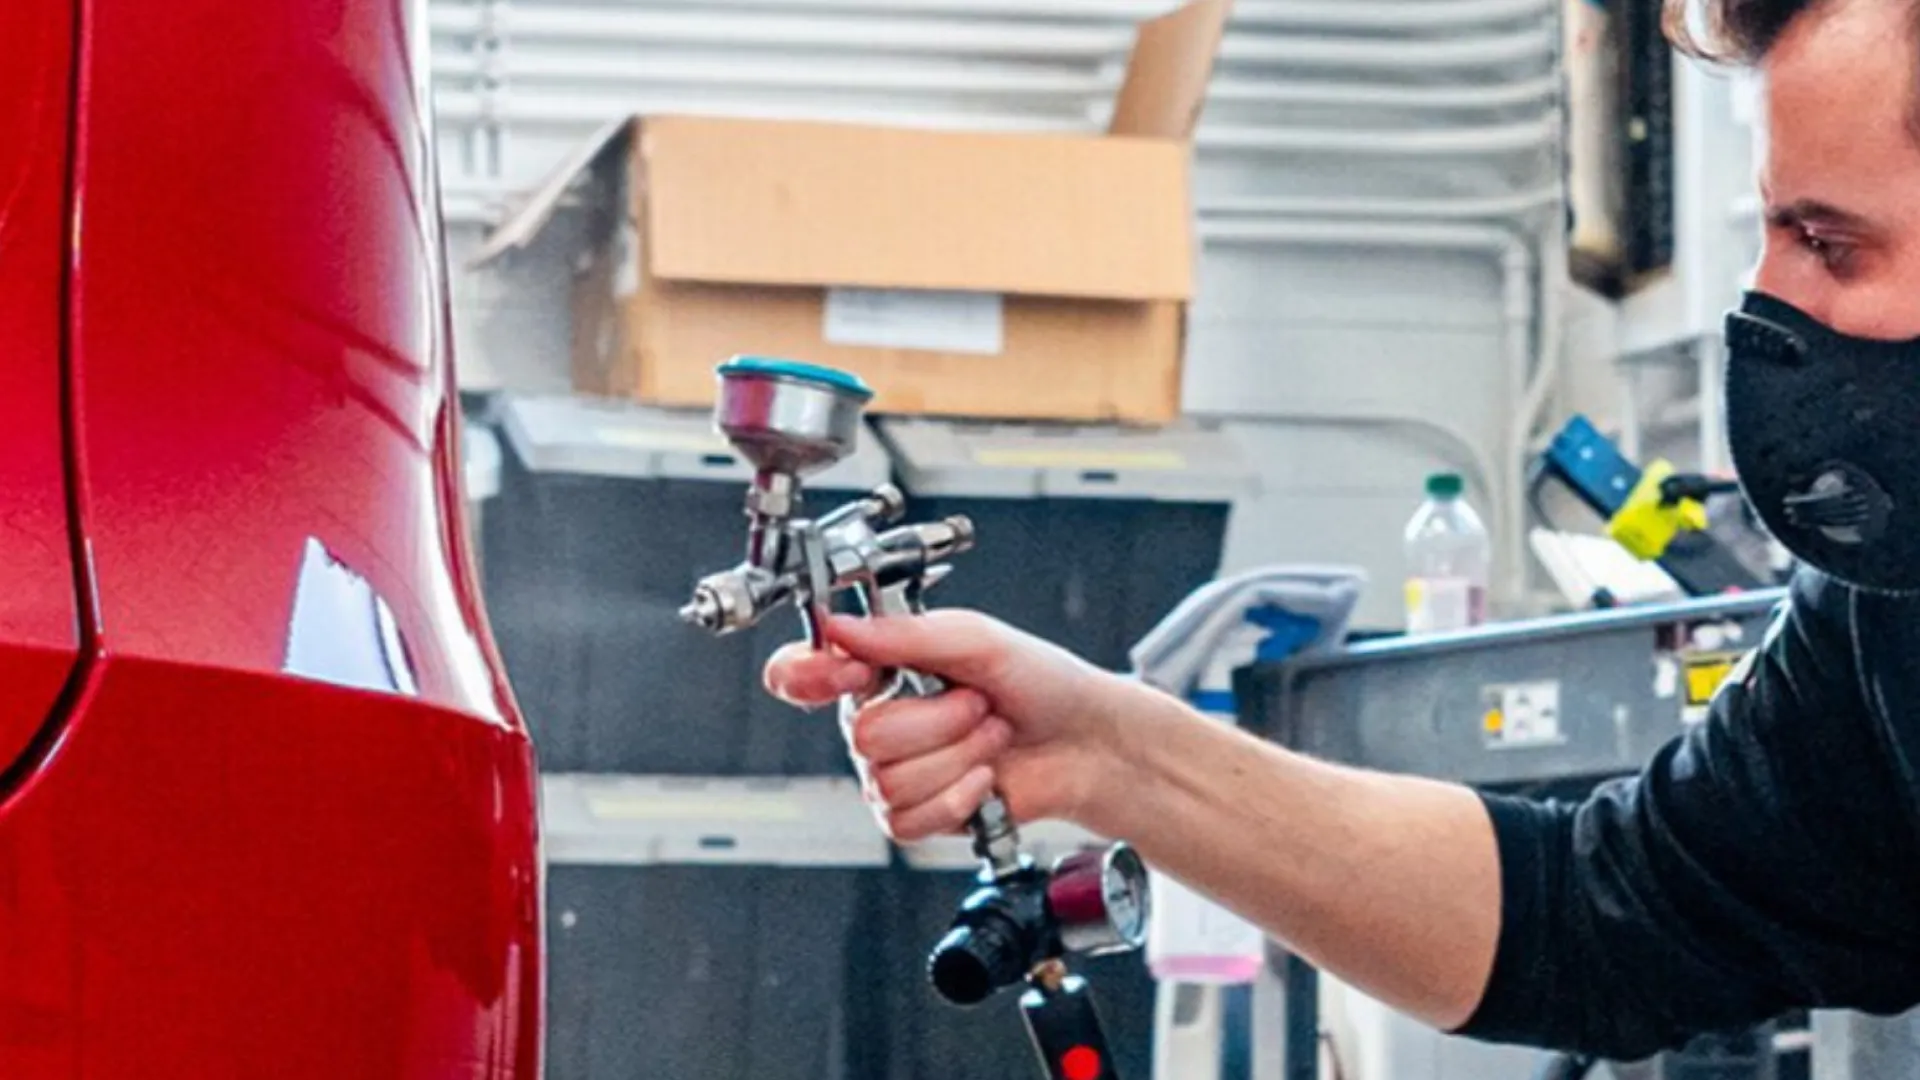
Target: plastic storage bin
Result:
[[707, 928], [1087, 536], [607, 514], [740, 928]]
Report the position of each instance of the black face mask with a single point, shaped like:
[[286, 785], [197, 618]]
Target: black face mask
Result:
[[1825, 434]]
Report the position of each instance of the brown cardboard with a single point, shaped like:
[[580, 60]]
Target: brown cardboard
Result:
[[1064, 358], [1070, 256], [1164, 87], [764, 202]]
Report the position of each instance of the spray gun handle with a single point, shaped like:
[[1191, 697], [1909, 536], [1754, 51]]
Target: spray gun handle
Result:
[[996, 838], [906, 598], [905, 683]]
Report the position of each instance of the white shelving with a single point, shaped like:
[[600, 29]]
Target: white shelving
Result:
[[798, 822]]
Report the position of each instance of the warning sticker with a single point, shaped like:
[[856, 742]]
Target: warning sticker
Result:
[[1521, 715], [1704, 673]]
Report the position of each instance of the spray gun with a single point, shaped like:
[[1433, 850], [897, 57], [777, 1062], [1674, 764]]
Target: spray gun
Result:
[[1020, 923]]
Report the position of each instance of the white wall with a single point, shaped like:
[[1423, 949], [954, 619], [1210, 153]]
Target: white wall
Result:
[[1322, 114], [1351, 374]]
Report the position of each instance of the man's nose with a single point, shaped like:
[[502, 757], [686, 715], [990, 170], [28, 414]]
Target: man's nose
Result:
[[1782, 277]]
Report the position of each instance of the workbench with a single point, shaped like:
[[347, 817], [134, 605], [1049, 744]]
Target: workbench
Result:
[[1514, 705], [1544, 706]]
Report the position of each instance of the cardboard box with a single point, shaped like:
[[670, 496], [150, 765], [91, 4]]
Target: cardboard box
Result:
[[1004, 275]]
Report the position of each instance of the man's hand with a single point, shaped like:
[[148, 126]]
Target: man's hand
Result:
[[1391, 883], [1027, 716]]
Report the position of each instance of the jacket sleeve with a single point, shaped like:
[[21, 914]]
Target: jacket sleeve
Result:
[[1763, 861]]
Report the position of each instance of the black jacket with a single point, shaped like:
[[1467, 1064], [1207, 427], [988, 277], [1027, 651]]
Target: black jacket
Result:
[[1767, 860]]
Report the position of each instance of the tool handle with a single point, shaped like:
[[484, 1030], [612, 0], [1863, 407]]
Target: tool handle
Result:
[[881, 603], [1066, 1031], [996, 838]]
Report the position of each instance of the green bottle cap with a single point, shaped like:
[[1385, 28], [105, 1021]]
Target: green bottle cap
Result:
[[1445, 485]]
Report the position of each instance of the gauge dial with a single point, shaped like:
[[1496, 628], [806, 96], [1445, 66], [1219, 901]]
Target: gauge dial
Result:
[[1123, 887], [1099, 902]]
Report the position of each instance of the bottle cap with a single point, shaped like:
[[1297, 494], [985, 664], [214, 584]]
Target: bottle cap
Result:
[[1445, 485]]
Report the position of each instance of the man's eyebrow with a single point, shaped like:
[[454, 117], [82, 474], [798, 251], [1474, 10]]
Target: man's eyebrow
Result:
[[1815, 212]]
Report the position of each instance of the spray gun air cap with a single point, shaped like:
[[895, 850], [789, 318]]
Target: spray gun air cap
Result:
[[789, 417]]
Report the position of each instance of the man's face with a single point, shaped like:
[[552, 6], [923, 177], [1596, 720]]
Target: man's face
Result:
[[1841, 180]]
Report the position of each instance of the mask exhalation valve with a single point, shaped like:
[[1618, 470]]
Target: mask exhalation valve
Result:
[[1843, 504]]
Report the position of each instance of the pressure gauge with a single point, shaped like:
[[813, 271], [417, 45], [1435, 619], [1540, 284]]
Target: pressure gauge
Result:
[[1099, 900]]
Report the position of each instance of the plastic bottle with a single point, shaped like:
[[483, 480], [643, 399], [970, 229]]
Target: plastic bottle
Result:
[[1449, 559]]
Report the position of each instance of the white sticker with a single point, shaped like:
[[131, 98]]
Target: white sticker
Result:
[[1522, 714], [1438, 605], [1666, 676], [959, 322]]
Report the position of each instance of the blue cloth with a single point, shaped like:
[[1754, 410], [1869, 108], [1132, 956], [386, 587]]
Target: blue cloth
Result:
[[1268, 613]]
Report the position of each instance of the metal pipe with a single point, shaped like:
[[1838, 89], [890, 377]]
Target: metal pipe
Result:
[[1227, 88], [847, 76], [1378, 209], [684, 81], [1485, 239], [1488, 239], [1510, 518], [1550, 305], [469, 201], [844, 33], [976, 78], [1506, 485], [455, 107], [1325, 14], [1468, 53], [458, 106], [1404, 15], [978, 37], [1501, 139], [1479, 464]]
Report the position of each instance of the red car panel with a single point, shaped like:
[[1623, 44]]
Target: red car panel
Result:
[[289, 828], [39, 634]]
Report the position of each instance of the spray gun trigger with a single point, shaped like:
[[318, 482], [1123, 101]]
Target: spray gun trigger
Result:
[[818, 600]]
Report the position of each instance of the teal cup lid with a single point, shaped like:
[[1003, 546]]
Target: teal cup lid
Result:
[[830, 378]]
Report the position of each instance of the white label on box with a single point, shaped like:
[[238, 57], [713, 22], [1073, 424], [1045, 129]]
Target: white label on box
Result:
[[961, 322]]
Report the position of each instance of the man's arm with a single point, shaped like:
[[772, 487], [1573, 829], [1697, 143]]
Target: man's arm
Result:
[[1391, 882], [1762, 862]]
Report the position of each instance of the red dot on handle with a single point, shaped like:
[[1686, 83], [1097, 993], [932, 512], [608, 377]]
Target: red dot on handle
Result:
[[1081, 1063]]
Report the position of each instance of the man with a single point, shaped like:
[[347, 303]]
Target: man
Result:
[[1767, 860]]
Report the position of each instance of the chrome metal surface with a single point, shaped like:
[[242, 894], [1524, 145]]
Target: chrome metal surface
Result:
[[787, 425], [996, 839]]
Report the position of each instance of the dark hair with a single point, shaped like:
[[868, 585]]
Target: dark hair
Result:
[[1742, 32], [1736, 31]]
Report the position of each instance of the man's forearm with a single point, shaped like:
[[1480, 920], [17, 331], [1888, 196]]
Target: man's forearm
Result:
[[1390, 883]]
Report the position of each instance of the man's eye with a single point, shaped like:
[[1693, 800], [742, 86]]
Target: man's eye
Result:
[[1831, 252]]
